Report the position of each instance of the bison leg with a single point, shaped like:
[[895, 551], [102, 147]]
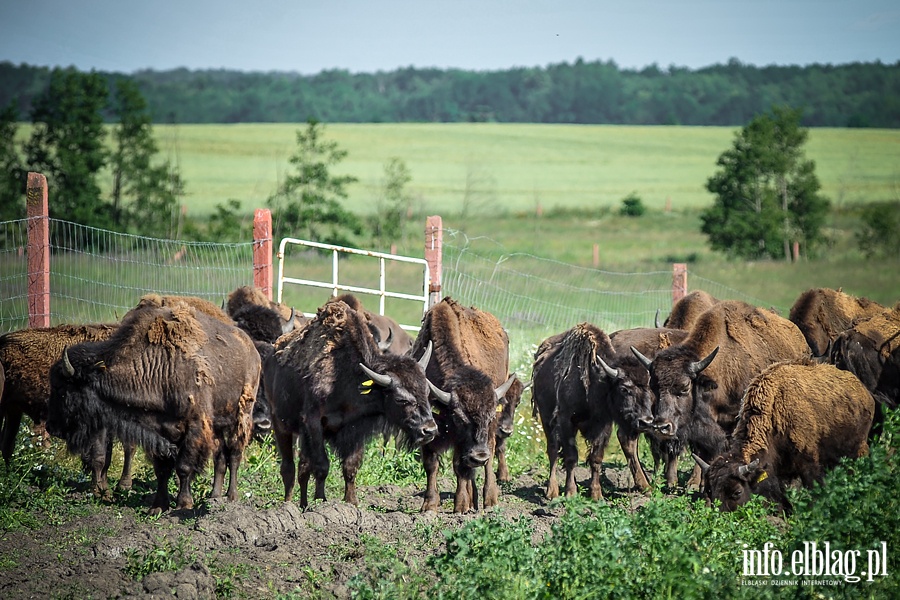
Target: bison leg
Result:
[[502, 467], [315, 461], [350, 465], [570, 458], [284, 441], [432, 497], [163, 468], [553, 458], [629, 443], [595, 459], [219, 467], [128, 450], [491, 489], [184, 499], [465, 487], [695, 478], [11, 421]]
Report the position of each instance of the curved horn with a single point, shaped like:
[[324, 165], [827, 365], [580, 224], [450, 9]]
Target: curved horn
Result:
[[423, 362], [442, 396], [67, 364], [703, 464], [610, 372], [745, 470], [525, 386], [385, 345], [644, 360], [288, 325], [382, 380], [656, 320], [695, 368], [501, 391]]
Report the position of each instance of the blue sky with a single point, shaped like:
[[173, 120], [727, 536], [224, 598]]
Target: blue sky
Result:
[[367, 36]]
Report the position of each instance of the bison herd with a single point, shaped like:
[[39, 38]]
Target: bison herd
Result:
[[761, 401]]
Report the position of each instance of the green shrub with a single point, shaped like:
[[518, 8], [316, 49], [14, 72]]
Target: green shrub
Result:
[[632, 206]]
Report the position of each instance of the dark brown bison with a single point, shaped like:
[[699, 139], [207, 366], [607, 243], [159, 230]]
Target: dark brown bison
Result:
[[509, 402], [797, 419], [170, 379], [592, 389], [686, 311], [823, 313], [330, 383], [544, 403], [27, 356], [248, 295], [388, 333], [469, 381], [698, 384]]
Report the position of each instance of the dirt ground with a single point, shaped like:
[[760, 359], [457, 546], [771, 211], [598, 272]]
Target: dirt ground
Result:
[[241, 550]]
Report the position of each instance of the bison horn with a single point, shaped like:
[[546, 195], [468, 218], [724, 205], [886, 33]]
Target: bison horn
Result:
[[695, 368], [745, 470], [610, 372], [379, 378], [442, 396], [423, 362], [385, 345], [644, 360], [702, 463], [525, 386], [67, 364], [656, 320], [288, 325], [501, 391]]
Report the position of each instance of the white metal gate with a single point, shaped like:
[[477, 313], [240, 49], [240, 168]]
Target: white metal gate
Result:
[[337, 288]]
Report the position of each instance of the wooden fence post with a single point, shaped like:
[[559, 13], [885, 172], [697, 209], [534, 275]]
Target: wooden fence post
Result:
[[679, 281], [434, 242], [262, 250], [38, 250]]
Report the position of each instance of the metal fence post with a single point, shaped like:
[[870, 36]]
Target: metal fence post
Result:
[[38, 250], [434, 242], [262, 250]]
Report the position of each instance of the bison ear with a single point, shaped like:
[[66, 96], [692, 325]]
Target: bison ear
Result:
[[379, 378], [501, 391], [440, 395], [695, 368]]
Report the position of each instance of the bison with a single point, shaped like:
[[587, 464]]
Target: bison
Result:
[[581, 386], [388, 333], [171, 379], [823, 313], [509, 402], [797, 419], [698, 384], [470, 364], [330, 383], [27, 356], [688, 309]]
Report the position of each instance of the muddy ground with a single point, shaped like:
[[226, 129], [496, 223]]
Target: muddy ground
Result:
[[242, 550]]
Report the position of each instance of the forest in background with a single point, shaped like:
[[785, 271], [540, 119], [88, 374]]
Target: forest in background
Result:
[[597, 92]]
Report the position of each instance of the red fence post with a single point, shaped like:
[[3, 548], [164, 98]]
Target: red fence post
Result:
[[262, 250], [434, 247], [38, 249], [679, 281]]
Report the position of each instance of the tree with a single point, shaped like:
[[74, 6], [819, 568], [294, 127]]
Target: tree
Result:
[[395, 203], [66, 145], [308, 203], [767, 193], [144, 195], [12, 175], [878, 236]]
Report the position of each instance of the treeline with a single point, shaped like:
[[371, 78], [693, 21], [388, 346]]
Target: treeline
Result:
[[849, 95]]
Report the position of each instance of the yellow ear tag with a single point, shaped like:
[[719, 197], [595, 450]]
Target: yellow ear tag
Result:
[[762, 477], [435, 410], [499, 408], [100, 365], [366, 386]]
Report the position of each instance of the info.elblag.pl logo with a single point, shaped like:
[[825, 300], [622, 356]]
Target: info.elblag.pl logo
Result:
[[829, 565]]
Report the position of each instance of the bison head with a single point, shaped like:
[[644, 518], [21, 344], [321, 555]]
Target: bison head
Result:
[[630, 393], [470, 413], [732, 482], [405, 388], [674, 382]]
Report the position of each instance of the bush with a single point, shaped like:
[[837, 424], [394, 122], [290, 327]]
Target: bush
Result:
[[632, 206]]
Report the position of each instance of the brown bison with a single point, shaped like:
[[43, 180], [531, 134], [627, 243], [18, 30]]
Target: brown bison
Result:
[[797, 419], [470, 364], [388, 333], [247, 295], [510, 402], [698, 384], [584, 387], [823, 313], [330, 383], [27, 356], [686, 311], [170, 379]]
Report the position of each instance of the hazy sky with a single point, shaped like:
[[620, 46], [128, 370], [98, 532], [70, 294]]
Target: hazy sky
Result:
[[308, 36]]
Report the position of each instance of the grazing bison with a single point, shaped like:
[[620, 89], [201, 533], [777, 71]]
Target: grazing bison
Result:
[[170, 379], [26, 356], [388, 333], [698, 384], [822, 313], [797, 419], [593, 390], [687, 310], [330, 383], [471, 362]]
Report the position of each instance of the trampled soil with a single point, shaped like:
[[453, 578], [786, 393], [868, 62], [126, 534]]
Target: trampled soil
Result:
[[241, 550]]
